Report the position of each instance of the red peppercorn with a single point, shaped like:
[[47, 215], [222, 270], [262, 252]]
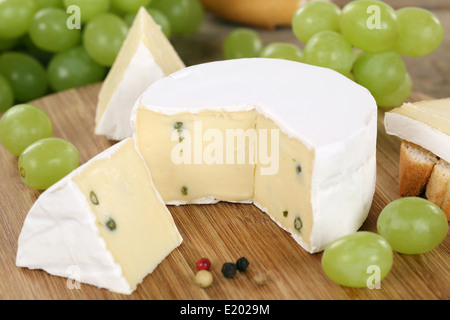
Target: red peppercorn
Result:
[[203, 264]]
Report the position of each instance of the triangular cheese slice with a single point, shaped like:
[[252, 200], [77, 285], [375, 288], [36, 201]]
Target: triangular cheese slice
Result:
[[146, 56], [104, 224]]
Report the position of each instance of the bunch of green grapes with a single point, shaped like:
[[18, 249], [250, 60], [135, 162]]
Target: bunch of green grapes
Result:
[[410, 225], [365, 41], [378, 34], [53, 45], [26, 131]]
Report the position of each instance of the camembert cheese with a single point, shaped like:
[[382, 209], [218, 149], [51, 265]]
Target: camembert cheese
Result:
[[104, 224], [425, 123], [146, 56], [297, 141]]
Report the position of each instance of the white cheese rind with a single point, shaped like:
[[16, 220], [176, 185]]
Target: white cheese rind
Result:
[[328, 113], [60, 234], [419, 133], [140, 73]]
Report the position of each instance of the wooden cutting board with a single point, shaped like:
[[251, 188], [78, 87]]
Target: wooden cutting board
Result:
[[223, 232]]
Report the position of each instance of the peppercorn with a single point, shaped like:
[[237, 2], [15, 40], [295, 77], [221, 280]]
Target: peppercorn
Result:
[[229, 270], [203, 264], [242, 264], [203, 278]]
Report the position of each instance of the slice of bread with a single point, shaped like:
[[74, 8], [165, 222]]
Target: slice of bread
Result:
[[415, 167], [438, 187]]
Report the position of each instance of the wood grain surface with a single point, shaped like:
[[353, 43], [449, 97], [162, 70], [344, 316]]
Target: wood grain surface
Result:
[[223, 232]]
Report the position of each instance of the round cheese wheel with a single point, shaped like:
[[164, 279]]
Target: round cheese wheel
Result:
[[257, 13]]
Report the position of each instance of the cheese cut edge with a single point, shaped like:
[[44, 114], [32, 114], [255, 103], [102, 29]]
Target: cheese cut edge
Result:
[[94, 264]]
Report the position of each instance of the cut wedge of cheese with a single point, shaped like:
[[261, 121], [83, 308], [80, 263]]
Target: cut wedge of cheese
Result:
[[146, 56], [425, 123], [297, 141], [104, 224]]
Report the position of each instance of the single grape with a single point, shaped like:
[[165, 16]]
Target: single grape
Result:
[[159, 18], [41, 4], [185, 16], [129, 6], [103, 37], [73, 69], [352, 260], [381, 73], [23, 125], [314, 17], [412, 225], [280, 50], [25, 74], [90, 8], [47, 161], [242, 43], [421, 32], [15, 17], [397, 97], [369, 25], [6, 95], [49, 31], [331, 50]]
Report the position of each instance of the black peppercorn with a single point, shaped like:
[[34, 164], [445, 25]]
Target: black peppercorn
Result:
[[242, 264], [229, 270]]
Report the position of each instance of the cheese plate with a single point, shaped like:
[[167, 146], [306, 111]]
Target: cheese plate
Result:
[[222, 232]]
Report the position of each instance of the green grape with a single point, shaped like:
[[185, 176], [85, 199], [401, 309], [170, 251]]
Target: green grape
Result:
[[314, 17], [242, 43], [89, 8], [381, 73], [352, 260], [6, 95], [41, 4], [397, 97], [159, 18], [421, 32], [103, 37], [331, 50], [280, 50], [369, 25], [15, 17], [49, 31], [129, 5], [47, 161], [73, 69], [25, 74], [23, 125], [412, 225], [185, 16]]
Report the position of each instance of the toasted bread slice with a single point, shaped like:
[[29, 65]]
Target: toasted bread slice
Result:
[[438, 187], [415, 167]]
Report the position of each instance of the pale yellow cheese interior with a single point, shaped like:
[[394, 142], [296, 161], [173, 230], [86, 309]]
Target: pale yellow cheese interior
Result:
[[132, 219], [287, 194], [435, 113], [144, 30], [283, 189], [159, 137]]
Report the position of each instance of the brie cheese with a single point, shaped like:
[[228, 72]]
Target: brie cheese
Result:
[[104, 224], [425, 123], [146, 56], [297, 141]]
